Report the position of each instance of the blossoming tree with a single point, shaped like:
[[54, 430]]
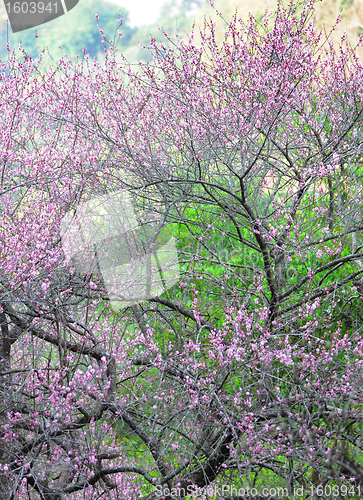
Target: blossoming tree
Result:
[[248, 371]]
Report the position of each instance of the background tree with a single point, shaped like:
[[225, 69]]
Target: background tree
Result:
[[73, 32], [248, 372], [77, 30]]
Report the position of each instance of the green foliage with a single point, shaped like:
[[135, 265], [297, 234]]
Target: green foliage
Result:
[[77, 30], [74, 31]]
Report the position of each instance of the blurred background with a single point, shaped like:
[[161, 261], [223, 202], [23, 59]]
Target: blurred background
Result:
[[78, 29]]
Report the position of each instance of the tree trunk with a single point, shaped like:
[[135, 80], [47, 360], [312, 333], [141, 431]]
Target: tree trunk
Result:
[[5, 406]]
